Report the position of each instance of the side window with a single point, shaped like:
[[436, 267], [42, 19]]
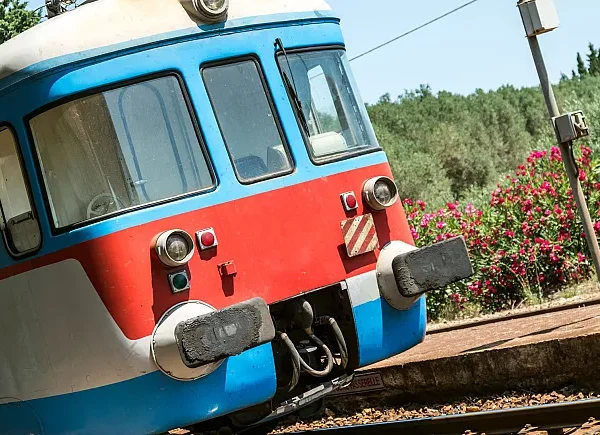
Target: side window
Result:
[[122, 148], [20, 227], [247, 120]]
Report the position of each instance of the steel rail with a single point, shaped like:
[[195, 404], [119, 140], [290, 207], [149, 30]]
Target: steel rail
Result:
[[551, 418]]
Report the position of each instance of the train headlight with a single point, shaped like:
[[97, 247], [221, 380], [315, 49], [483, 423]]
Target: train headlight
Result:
[[212, 10], [174, 248], [177, 247], [380, 193]]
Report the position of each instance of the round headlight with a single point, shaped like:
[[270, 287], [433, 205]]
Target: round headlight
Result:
[[212, 10], [174, 248], [380, 193], [177, 247]]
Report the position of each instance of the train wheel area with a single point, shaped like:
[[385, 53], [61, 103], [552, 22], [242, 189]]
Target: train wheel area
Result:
[[522, 361]]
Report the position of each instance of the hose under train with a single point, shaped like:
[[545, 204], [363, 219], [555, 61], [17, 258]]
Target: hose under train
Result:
[[297, 358], [339, 337], [298, 363]]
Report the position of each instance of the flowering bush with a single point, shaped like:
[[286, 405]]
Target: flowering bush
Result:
[[528, 240]]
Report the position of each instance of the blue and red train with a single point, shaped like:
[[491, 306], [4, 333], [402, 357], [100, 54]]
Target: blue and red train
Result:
[[198, 223]]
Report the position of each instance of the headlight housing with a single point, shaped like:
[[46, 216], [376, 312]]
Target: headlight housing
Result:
[[380, 193], [174, 248], [213, 11]]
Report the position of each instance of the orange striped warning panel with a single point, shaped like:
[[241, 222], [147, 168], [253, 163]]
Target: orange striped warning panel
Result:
[[360, 235]]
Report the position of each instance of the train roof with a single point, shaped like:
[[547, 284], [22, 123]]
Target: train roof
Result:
[[103, 26]]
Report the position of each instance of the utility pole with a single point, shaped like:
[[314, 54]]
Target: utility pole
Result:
[[539, 16]]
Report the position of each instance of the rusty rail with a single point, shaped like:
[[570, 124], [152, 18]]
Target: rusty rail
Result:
[[552, 418]]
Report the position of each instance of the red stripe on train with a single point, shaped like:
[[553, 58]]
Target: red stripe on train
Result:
[[283, 243]]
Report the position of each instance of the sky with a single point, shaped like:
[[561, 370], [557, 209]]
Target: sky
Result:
[[482, 46]]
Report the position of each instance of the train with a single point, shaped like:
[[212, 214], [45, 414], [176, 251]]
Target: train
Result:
[[199, 227]]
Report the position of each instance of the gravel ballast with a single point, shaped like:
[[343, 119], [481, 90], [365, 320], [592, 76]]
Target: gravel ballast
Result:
[[333, 417]]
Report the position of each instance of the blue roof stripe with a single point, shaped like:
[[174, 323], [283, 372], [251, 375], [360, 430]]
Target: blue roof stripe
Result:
[[203, 31]]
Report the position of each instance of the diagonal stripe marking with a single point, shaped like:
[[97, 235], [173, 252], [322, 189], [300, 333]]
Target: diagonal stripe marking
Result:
[[357, 233], [363, 236], [352, 230], [371, 235], [373, 244], [346, 227]]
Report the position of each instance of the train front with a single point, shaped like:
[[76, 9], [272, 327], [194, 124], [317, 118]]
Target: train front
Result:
[[221, 234]]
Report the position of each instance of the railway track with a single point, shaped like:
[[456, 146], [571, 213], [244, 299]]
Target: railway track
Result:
[[551, 418]]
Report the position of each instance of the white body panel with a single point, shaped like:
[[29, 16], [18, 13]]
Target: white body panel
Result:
[[57, 336]]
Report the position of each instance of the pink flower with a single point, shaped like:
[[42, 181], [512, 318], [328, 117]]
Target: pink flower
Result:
[[555, 155], [426, 219], [440, 225], [536, 155], [414, 233]]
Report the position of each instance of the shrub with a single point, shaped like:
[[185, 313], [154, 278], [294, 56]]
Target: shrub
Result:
[[527, 241]]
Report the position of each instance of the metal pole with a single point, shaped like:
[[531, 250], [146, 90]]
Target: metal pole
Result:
[[567, 156]]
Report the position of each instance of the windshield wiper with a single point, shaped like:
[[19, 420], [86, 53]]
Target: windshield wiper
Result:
[[292, 90]]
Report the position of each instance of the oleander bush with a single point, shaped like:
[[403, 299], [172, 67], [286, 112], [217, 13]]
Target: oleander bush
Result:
[[525, 243]]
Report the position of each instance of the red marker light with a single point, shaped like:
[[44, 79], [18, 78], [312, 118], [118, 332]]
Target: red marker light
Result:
[[207, 239], [349, 201]]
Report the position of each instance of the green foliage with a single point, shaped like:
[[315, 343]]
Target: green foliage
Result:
[[15, 18], [457, 143], [443, 147]]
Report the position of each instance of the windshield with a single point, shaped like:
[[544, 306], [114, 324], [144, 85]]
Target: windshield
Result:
[[119, 149], [336, 117]]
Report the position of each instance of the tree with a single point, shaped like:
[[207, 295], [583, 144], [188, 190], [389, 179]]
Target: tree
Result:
[[581, 68], [593, 64], [594, 61], [15, 18]]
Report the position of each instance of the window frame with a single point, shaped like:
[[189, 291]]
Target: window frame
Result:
[[276, 117], [319, 161], [5, 125], [111, 87]]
